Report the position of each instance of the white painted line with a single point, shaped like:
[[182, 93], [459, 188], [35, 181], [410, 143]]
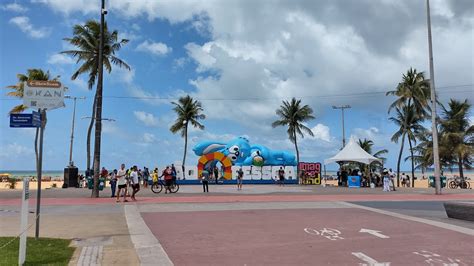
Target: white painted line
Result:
[[451, 227], [148, 248], [373, 232], [369, 260]]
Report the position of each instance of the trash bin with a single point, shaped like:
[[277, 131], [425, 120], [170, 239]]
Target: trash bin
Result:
[[101, 183], [431, 182], [90, 183]]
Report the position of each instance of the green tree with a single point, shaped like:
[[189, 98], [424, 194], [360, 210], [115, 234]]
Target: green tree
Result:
[[409, 125], [293, 115], [412, 92], [457, 134], [17, 92], [86, 39], [189, 111], [367, 145]]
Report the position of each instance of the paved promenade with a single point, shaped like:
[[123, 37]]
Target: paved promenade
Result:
[[261, 225]]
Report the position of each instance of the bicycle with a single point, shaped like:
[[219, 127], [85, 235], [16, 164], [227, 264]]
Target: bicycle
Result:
[[459, 182], [157, 187]]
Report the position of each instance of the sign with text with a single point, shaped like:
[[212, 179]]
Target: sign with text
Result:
[[43, 94], [312, 171], [25, 120]]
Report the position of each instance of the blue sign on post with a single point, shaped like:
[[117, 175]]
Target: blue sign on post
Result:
[[25, 120]]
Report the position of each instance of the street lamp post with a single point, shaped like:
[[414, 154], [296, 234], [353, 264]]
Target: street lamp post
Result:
[[434, 127], [342, 107], [71, 163]]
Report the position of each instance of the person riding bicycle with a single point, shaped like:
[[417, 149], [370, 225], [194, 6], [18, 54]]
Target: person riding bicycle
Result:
[[168, 176]]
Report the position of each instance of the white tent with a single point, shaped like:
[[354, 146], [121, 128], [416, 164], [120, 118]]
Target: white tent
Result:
[[352, 152]]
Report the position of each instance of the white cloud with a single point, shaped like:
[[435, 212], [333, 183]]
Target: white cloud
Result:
[[155, 48], [321, 132], [14, 7], [179, 63], [24, 24], [149, 138], [67, 7], [146, 118], [60, 59], [15, 150], [78, 83]]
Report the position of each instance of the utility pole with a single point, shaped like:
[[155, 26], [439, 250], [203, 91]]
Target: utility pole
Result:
[[342, 107], [71, 163], [434, 128]]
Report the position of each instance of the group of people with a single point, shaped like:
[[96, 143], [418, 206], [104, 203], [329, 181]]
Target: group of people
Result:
[[384, 179], [122, 179]]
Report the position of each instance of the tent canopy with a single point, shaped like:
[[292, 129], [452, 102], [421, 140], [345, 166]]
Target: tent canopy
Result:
[[352, 152]]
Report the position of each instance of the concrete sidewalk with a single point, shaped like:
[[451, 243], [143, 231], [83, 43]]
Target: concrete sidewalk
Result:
[[100, 233]]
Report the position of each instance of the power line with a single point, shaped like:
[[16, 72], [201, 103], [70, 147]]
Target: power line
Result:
[[355, 95]]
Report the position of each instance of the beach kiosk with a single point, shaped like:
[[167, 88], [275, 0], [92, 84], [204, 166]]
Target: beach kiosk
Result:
[[352, 152]]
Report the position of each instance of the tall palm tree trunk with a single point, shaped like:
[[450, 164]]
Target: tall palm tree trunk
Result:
[[412, 164], [297, 160], [185, 149], [399, 159], [89, 133], [460, 164], [98, 114]]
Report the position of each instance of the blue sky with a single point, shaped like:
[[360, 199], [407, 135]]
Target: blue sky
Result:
[[241, 59]]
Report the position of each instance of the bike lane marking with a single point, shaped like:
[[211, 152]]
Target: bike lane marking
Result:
[[451, 227], [318, 236]]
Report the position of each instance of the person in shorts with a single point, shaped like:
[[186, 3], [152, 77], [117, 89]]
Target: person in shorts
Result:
[[135, 182], [240, 177], [122, 183]]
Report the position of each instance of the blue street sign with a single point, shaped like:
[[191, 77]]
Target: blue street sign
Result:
[[25, 120]]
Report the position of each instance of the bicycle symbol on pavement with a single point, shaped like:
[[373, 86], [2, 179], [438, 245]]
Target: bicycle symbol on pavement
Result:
[[329, 233]]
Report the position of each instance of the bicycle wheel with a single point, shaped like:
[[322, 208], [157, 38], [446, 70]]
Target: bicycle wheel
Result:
[[464, 185], [453, 185], [174, 188], [156, 187]]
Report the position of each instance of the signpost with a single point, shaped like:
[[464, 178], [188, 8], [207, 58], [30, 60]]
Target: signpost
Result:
[[25, 120], [24, 221], [42, 95]]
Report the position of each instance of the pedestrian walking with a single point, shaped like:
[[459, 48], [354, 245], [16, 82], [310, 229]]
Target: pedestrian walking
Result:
[[205, 180], [113, 182], [281, 176], [135, 182], [386, 180], [146, 176], [391, 176], [216, 174], [240, 177], [122, 183]]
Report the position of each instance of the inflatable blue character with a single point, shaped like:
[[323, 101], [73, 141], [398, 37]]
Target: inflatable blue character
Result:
[[261, 155], [237, 150]]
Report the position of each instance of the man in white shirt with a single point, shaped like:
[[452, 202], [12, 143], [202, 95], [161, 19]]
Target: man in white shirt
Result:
[[122, 182], [135, 182]]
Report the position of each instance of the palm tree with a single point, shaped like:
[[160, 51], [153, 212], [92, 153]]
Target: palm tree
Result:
[[367, 145], [293, 115], [188, 111], [17, 92], [86, 38], [414, 92], [458, 134], [409, 125]]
